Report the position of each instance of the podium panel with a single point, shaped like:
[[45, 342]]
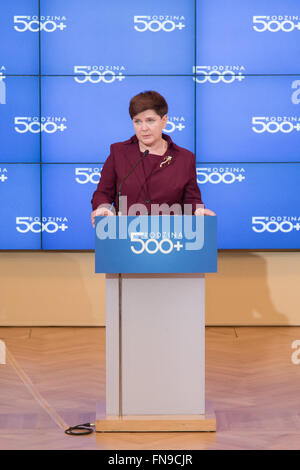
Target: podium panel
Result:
[[162, 341]]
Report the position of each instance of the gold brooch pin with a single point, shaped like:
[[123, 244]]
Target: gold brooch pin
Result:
[[167, 160]]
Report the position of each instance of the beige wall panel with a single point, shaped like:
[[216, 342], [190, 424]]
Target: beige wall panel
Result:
[[254, 289], [50, 289], [61, 289]]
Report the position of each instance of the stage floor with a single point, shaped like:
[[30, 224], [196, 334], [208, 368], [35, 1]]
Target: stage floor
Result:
[[55, 376]]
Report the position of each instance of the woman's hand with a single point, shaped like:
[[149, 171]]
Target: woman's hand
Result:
[[203, 212], [100, 211]]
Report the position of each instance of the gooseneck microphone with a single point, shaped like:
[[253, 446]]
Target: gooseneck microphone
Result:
[[126, 176]]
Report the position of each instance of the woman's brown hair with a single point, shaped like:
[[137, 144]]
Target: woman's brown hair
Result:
[[148, 100]]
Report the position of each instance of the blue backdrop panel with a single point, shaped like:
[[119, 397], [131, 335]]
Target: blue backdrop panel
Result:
[[20, 207], [247, 86], [19, 117], [253, 120], [260, 36], [143, 37], [19, 37], [91, 116], [258, 205], [67, 192]]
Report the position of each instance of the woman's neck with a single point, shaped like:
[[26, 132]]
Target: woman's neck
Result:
[[158, 148]]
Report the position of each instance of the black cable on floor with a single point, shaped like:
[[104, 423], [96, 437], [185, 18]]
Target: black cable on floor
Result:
[[80, 429]]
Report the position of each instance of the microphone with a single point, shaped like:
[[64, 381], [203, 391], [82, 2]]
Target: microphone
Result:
[[126, 176]]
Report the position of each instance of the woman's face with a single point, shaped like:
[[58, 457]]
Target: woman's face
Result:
[[148, 127]]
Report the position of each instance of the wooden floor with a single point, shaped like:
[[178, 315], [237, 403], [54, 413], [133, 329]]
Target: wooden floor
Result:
[[55, 376]]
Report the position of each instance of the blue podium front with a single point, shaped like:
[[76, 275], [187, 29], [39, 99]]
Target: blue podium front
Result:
[[156, 244], [155, 321]]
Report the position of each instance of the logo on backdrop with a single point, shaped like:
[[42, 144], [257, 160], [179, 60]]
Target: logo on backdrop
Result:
[[219, 73], [274, 23], [296, 93], [3, 175], [157, 23], [36, 225], [99, 73], [274, 224], [87, 175], [2, 86], [174, 123], [34, 124], [218, 175], [274, 124], [49, 24]]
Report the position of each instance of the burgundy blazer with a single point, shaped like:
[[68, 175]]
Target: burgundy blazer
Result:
[[172, 183]]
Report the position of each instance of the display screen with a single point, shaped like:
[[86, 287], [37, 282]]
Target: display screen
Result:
[[257, 203], [67, 193], [139, 37], [20, 209], [249, 36], [230, 72], [253, 120], [19, 37], [20, 120]]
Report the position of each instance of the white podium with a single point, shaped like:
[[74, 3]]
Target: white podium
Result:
[[155, 354]]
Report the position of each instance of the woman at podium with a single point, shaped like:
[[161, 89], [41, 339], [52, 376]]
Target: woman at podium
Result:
[[148, 173]]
